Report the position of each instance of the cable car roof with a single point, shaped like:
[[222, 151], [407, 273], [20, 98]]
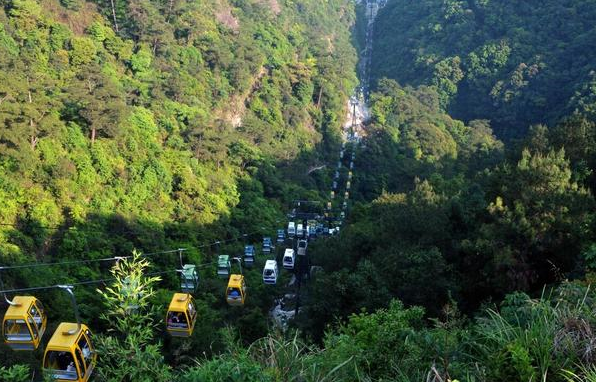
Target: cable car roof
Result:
[[235, 281], [179, 302], [21, 309], [188, 270], [62, 341]]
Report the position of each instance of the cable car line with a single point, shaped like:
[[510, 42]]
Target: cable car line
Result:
[[114, 258], [95, 281], [83, 261], [79, 283]]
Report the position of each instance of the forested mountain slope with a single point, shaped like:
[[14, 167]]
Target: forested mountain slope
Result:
[[159, 125], [155, 125], [515, 63], [156, 115]]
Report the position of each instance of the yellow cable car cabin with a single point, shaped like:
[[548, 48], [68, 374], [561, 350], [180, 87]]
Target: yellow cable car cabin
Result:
[[182, 315], [24, 323], [69, 355], [236, 292]]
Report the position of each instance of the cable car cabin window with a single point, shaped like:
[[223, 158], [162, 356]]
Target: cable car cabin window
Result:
[[61, 365], [36, 313], [33, 327], [177, 320], [192, 312], [81, 362], [234, 293], [17, 330], [83, 344]]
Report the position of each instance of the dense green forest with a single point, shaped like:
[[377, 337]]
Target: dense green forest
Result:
[[148, 125], [513, 63]]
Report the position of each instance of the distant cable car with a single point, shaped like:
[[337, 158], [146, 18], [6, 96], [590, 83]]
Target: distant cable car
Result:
[[249, 255], [302, 244], [270, 272], [300, 230], [345, 205], [24, 323], [342, 215], [332, 194], [348, 185], [267, 245], [289, 258], [189, 278], [223, 266], [351, 165], [319, 229], [346, 195], [328, 205], [130, 292], [281, 236], [291, 229], [181, 316], [335, 184], [236, 292], [69, 355], [350, 175]]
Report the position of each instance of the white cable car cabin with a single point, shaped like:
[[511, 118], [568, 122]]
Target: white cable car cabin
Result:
[[24, 323], [181, 316], [291, 229], [289, 258], [69, 355], [300, 230], [270, 272], [302, 244]]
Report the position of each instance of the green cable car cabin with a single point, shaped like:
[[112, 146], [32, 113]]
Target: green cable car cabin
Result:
[[69, 355], [24, 323], [189, 278], [223, 266], [181, 316]]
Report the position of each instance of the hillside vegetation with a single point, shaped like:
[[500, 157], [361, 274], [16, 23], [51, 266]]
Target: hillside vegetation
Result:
[[515, 63], [145, 125], [158, 125]]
